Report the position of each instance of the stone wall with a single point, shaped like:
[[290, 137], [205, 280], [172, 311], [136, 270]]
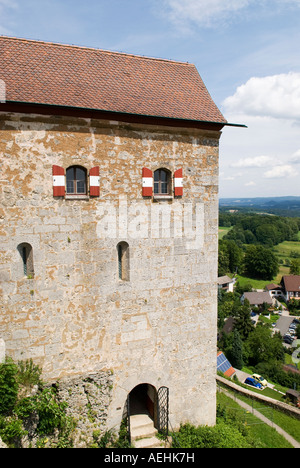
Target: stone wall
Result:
[[74, 316], [88, 399]]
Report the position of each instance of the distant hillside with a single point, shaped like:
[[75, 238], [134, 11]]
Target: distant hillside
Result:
[[282, 206]]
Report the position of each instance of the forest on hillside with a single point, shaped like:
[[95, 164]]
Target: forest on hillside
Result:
[[248, 246], [252, 228]]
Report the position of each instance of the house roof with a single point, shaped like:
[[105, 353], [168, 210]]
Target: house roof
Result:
[[272, 286], [52, 74], [258, 297], [291, 283], [224, 280]]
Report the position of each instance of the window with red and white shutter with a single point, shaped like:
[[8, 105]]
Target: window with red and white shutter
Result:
[[147, 189], [58, 174], [95, 182], [178, 183]]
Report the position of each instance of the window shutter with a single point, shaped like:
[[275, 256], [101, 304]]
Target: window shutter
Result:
[[147, 182], [178, 188], [58, 181], [95, 182]]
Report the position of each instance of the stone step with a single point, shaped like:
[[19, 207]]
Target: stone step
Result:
[[143, 432], [151, 442], [141, 426]]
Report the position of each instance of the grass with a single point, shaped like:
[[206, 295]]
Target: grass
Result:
[[288, 423], [223, 231], [264, 434], [283, 252], [256, 284]]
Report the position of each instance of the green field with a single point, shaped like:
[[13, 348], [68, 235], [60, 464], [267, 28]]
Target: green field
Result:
[[223, 231], [283, 252]]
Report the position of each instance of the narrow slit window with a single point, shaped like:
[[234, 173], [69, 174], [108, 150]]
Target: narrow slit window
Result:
[[123, 261], [26, 253]]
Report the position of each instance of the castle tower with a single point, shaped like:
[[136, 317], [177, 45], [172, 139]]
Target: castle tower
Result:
[[109, 225]]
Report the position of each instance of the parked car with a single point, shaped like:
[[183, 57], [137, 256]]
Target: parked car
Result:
[[252, 382], [260, 379], [288, 339]]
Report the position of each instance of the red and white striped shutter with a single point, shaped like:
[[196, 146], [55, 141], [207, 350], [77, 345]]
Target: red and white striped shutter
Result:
[[95, 182], [147, 175], [59, 189], [178, 187]]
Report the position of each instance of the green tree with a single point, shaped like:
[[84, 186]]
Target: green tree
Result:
[[295, 266], [242, 322], [263, 347], [223, 259], [236, 355], [260, 263]]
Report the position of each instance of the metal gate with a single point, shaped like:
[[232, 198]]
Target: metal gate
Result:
[[163, 410]]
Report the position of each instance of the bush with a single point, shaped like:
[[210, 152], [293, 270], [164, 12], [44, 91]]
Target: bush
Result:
[[50, 411], [16, 411], [8, 386], [221, 436]]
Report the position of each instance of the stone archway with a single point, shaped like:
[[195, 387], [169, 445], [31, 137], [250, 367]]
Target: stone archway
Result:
[[142, 400]]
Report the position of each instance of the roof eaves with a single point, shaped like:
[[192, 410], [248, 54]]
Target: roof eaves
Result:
[[105, 111]]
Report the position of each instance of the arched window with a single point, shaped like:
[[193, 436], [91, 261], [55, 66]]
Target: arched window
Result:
[[162, 182], [26, 254], [123, 261], [76, 180]]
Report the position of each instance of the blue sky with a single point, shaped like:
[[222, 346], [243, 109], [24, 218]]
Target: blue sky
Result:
[[246, 51]]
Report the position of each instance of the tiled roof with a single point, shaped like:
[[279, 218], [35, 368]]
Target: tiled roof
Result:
[[258, 297], [224, 280], [63, 75], [291, 283]]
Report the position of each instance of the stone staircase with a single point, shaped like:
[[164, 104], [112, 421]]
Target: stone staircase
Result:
[[143, 432]]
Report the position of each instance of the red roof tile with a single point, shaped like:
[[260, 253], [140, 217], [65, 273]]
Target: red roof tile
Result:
[[291, 283], [63, 75]]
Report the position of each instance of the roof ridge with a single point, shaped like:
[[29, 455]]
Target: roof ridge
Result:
[[106, 51]]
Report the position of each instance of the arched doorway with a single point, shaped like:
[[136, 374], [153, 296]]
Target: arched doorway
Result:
[[142, 400]]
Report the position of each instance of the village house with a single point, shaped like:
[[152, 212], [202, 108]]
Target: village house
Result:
[[225, 283], [274, 290], [257, 298], [109, 229], [290, 287]]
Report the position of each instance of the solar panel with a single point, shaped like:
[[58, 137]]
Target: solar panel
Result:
[[223, 364]]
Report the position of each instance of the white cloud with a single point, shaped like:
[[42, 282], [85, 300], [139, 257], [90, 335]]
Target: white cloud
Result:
[[202, 12], [257, 161], [250, 184], [276, 96], [228, 178], [280, 172], [295, 159], [209, 12]]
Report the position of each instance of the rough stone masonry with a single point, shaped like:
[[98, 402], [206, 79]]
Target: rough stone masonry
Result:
[[65, 302]]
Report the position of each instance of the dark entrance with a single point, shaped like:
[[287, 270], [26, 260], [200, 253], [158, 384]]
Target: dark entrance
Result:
[[142, 400]]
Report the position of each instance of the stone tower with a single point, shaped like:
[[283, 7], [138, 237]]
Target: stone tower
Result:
[[109, 216]]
